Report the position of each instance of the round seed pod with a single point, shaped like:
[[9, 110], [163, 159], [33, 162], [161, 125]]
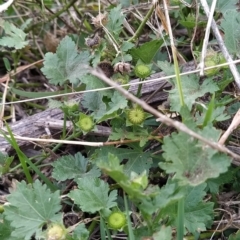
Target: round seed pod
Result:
[[142, 71], [122, 67], [93, 42], [117, 220], [85, 123], [136, 116]]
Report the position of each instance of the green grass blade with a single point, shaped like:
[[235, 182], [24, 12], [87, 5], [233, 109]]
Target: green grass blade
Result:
[[130, 229], [102, 229], [208, 116], [180, 219], [24, 159]]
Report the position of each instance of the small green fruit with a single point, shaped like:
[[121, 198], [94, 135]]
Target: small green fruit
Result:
[[72, 106], [123, 80], [142, 71], [56, 232], [212, 71], [222, 60], [136, 116], [85, 123], [117, 220]]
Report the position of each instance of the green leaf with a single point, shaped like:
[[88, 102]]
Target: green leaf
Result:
[[111, 166], [229, 24], [31, 206], [198, 214], [191, 161], [5, 162], [122, 58], [93, 102], [115, 20], [167, 68], [33, 94], [100, 111], [137, 160], [6, 230], [191, 91], [126, 46], [66, 63], [72, 167], [54, 103], [14, 38], [146, 51], [118, 101], [168, 194], [224, 6], [235, 236], [218, 115], [80, 233], [92, 195], [93, 82], [164, 233], [139, 133], [233, 108], [215, 183]]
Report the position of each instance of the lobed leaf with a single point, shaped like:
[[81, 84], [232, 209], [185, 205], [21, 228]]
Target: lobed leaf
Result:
[[92, 195], [231, 25], [115, 20], [72, 167], [66, 63], [198, 214], [14, 37], [191, 91], [223, 6], [191, 161], [137, 160], [93, 102], [146, 51], [31, 206]]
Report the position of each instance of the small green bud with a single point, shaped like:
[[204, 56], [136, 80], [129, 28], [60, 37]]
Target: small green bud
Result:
[[136, 116], [56, 232], [142, 71], [117, 220], [72, 105], [85, 123], [213, 71]]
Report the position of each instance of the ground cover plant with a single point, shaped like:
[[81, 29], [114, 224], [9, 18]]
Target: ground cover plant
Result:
[[141, 94]]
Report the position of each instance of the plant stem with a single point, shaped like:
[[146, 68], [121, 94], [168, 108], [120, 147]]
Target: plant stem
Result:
[[139, 88], [92, 226], [64, 125], [74, 135], [140, 28], [130, 230], [180, 219], [178, 79]]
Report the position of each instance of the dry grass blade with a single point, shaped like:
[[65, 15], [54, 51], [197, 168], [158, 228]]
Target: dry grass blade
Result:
[[235, 123]]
